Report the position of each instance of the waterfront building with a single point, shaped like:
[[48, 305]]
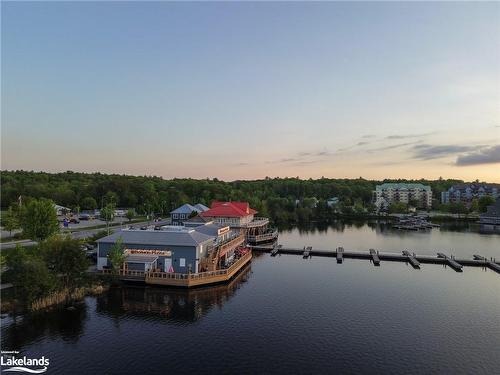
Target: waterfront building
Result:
[[183, 213], [388, 193], [332, 202], [240, 216], [490, 220], [466, 193], [177, 255]]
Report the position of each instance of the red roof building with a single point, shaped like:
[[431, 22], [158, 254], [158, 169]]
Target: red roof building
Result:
[[230, 213]]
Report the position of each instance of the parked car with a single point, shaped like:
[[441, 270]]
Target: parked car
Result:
[[74, 220], [84, 217]]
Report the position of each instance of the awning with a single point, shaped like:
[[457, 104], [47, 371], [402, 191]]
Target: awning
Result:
[[141, 258]]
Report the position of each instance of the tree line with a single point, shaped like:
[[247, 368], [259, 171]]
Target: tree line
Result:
[[281, 199]]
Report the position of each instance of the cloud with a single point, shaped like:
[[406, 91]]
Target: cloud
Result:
[[409, 136], [390, 147], [362, 143], [368, 136], [427, 152], [486, 155]]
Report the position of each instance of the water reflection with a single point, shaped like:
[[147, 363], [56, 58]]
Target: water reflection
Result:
[[379, 226], [168, 304], [67, 324]]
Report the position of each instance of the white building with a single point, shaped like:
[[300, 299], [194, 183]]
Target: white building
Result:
[[388, 193]]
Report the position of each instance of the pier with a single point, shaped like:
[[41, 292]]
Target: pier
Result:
[[405, 256], [340, 254], [375, 258], [451, 262], [490, 263], [411, 259], [275, 250]]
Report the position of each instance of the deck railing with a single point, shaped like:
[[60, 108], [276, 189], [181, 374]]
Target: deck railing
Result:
[[199, 275], [257, 222], [262, 237]]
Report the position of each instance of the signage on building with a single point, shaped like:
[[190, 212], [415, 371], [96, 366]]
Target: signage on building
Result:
[[221, 231], [165, 253]]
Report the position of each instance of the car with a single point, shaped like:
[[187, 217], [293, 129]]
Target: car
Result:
[[144, 227], [84, 217], [74, 220]]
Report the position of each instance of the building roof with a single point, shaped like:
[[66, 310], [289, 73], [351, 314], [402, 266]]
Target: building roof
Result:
[[209, 229], [188, 208], [184, 209], [201, 207], [173, 237], [229, 209], [402, 185]]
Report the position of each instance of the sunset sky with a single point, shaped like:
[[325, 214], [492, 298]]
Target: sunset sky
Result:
[[248, 90]]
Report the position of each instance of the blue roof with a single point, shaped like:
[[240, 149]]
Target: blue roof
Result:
[[187, 209], [184, 209]]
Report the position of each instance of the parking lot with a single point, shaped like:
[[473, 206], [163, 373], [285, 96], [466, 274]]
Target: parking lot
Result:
[[94, 222]]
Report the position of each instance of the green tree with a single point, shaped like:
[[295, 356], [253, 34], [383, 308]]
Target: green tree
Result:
[[29, 274], [116, 256], [107, 214], [484, 202], [10, 220], [398, 208], [38, 219], [65, 258], [89, 203], [130, 215]]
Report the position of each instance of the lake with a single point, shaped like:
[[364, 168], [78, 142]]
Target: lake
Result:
[[285, 314]]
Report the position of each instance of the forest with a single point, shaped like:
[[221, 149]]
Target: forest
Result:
[[281, 199]]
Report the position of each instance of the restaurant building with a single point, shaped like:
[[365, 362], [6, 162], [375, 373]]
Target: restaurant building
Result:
[[177, 255], [240, 216]]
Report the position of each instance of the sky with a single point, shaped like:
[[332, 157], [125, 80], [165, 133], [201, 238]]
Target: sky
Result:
[[248, 90]]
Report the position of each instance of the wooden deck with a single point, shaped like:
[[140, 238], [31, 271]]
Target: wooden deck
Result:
[[186, 280]]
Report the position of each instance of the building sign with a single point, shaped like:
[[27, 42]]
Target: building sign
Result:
[[221, 231], [165, 253]]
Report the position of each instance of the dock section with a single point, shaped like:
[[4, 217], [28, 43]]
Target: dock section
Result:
[[451, 262], [411, 259], [375, 258], [276, 250], [340, 254], [494, 266]]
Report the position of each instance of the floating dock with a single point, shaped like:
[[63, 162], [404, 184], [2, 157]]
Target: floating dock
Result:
[[411, 259], [490, 263], [375, 258], [405, 256], [451, 262], [340, 254], [275, 250]]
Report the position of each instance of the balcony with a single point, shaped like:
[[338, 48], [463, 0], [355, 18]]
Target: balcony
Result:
[[256, 222], [185, 279]]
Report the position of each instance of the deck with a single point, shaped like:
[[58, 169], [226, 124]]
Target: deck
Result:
[[186, 280]]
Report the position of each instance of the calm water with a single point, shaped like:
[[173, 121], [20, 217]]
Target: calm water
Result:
[[290, 315]]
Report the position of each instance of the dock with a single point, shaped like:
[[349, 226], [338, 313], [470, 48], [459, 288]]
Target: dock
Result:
[[375, 258], [411, 259], [489, 263], [405, 256], [340, 254], [275, 250], [451, 262]]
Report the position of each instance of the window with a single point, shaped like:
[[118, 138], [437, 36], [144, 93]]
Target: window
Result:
[[182, 262]]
